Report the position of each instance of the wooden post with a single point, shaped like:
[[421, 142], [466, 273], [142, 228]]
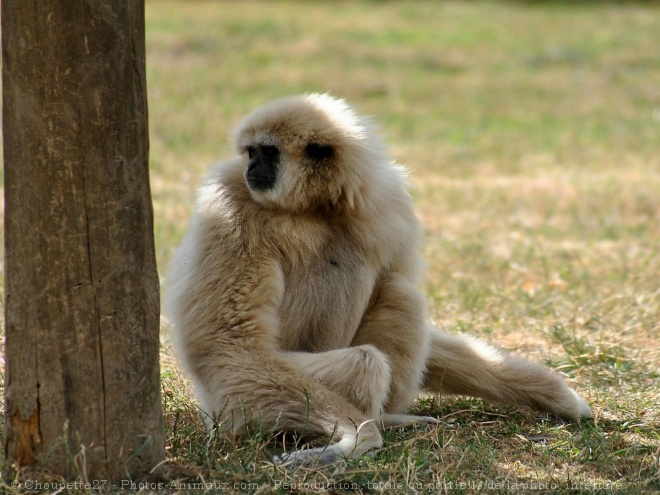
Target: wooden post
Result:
[[82, 294]]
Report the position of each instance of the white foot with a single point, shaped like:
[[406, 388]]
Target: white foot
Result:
[[407, 420], [573, 407]]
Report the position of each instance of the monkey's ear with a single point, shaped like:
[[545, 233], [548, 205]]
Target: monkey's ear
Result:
[[317, 151]]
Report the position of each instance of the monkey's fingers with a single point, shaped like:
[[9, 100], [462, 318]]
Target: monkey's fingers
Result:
[[351, 446]]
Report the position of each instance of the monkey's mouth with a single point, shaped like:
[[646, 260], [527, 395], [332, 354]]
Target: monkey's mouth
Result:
[[258, 182]]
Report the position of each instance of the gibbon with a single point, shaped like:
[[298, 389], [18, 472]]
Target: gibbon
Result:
[[294, 300]]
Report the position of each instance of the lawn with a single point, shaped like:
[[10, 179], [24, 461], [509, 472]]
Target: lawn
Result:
[[532, 134]]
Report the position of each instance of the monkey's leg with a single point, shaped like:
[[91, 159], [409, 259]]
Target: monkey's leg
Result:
[[464, 365], [394, 323], [359, 374], [260, 388]]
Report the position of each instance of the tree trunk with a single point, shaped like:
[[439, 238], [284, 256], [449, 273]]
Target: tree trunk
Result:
[[82, 293]]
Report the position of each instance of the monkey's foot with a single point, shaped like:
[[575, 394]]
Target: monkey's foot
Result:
[[407, 420], [572, 406]]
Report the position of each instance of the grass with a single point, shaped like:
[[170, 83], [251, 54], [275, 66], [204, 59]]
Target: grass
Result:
[[532, 132]]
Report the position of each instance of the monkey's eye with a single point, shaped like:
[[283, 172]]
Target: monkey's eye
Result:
[[250, 151], [317, 151]]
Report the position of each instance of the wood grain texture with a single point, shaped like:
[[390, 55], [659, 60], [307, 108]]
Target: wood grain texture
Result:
[[82, 292]]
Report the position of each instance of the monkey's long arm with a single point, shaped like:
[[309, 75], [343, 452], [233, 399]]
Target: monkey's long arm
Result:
[[395, 324]]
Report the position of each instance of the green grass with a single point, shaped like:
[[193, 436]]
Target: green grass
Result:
[[532, 132]]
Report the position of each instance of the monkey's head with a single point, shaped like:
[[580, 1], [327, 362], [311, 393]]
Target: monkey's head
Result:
[[308, 152]]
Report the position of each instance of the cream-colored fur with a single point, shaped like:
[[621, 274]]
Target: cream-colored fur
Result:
[[298, 307]]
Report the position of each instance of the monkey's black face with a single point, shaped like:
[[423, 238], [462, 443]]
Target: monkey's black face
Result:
[[263, 166]]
